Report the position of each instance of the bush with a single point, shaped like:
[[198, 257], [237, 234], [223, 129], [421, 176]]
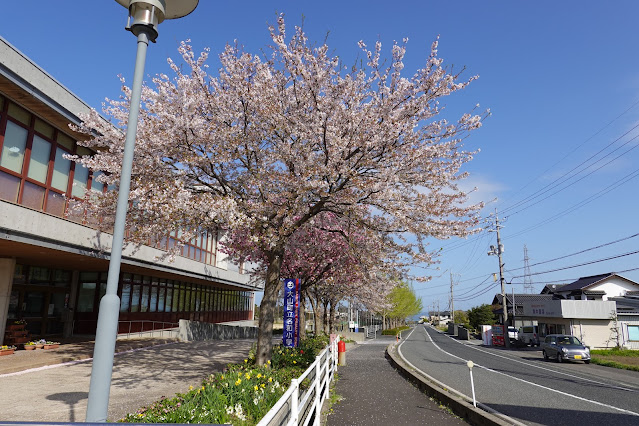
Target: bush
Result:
[[394, 331]]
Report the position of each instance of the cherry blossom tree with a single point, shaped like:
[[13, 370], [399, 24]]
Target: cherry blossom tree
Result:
[[273, 140]]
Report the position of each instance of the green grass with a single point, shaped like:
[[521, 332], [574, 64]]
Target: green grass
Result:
[[615, 352], [624, 359], [613, 364]]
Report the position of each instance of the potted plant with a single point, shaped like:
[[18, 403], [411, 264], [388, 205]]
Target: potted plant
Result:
[[29, 346], [7, 350], [51, 345], [16, 325], [40, 343]]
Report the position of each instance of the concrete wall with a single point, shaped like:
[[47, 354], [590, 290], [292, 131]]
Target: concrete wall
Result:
[[40, 229], [594, 333], [614, 287], [351, 335], [462, 333], [200, 331]]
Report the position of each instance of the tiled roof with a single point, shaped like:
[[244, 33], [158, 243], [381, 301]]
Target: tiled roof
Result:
[[524, 297], [585, 282], [551, 288]]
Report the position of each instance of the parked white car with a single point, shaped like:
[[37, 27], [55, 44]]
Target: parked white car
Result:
[[528, 334], [512, 333]]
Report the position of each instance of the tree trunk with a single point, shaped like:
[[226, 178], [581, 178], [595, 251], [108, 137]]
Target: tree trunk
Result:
[[267, 307], [316, 315], [302, 331], [331, 316], [325, 316]]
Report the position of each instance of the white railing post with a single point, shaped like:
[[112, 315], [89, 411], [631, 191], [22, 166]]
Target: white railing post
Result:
[[295, 399], [318, 388]]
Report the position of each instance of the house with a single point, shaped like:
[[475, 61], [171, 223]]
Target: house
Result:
[[596, 287], [440, 317], [603, 310], [53, 266]]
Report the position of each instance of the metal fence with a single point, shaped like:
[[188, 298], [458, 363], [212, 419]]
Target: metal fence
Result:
[[145, 328], [301, 406]]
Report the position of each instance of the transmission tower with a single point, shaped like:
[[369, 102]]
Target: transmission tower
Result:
[[528, 285]]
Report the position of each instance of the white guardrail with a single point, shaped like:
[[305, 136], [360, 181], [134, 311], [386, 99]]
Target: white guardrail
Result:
[[299, 407]]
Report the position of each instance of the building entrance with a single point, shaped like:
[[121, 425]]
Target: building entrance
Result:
[[40, 296]]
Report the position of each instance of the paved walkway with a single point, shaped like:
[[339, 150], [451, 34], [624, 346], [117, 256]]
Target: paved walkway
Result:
[[373, 392], [144, 371]]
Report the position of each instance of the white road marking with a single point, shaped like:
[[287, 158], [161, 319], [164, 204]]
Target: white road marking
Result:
[[544, 368], [445, 387], [534, 384]]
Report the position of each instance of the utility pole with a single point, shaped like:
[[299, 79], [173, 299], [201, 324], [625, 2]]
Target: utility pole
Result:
[[497, 251], [452, 299]]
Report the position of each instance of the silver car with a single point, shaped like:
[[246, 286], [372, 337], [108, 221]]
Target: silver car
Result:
[[562, 347]]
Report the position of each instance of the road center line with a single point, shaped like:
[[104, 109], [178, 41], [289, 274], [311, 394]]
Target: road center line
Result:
[[544, 368], [532, 383], [445, 387]]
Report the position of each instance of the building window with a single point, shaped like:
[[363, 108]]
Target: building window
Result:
[[39, 162], [633, 333], [61, 168], [15, 143], [86, 297]]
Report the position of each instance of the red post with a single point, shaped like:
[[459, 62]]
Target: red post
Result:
[[341, 353]]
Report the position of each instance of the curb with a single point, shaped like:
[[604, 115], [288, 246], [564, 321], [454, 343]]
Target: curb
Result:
[[432, 387]]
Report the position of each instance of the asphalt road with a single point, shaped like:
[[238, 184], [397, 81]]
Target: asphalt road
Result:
[[521, 385]]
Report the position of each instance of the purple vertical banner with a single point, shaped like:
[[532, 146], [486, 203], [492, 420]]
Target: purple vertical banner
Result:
[[289, 336]]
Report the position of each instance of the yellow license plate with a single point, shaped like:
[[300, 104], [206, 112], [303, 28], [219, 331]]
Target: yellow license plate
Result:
[[577, 356]]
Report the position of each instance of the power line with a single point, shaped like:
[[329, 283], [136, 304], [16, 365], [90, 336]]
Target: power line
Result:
[[576, 253], [580, 179], [567, 176], [582, 203], [569, 280], [582, 264], [578, 146]]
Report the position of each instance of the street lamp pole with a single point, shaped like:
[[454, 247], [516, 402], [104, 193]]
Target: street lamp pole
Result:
[[144, 17]]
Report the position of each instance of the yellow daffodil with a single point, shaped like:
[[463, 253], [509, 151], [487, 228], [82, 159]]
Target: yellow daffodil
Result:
[[263, 385], [238, 382], [255, 387], [294, 362], [259, 375], [270, 379]]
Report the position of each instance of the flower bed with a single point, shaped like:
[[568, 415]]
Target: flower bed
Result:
[[240, 395]]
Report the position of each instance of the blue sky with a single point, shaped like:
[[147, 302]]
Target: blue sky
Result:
[[561, 80]]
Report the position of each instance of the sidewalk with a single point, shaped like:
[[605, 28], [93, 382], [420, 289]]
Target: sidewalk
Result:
[[44, 386], [374, 393], [72, 349]]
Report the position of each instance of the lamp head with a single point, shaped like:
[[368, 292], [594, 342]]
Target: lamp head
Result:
[[148, 14]]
